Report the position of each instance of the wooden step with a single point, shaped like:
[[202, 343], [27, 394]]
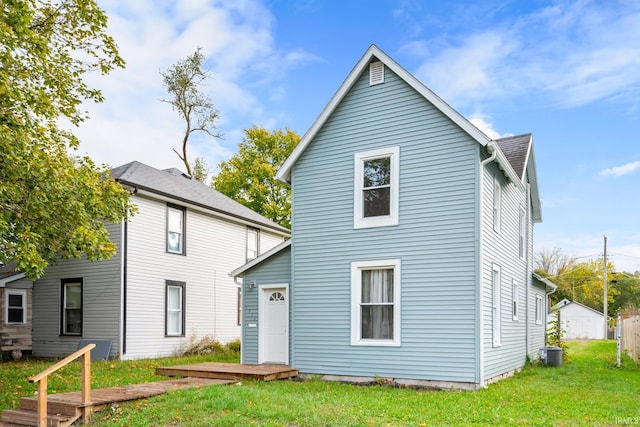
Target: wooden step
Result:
[[53, 407], [29, 418]]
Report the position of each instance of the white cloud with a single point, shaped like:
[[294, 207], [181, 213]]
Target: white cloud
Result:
[[465, 73], [621, 170], [246, 70], [480, 121], [573, 53]]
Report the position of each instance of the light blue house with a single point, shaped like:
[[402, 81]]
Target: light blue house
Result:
[[411, 249]]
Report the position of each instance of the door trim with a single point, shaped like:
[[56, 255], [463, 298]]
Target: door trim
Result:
[[262, 291]]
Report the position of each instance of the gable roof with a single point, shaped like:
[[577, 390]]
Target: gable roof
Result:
[[519, 152], [173, 184], [565, 303], [8, 274], [372, 54]]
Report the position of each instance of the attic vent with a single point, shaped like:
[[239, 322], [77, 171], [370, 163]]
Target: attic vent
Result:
[[376, 73]]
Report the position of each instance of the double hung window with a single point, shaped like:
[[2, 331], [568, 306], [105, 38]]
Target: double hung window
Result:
[[16, 306], [71, 312], [175, 308], [175, 229], [496, 287], [375, 299], [376, 188]]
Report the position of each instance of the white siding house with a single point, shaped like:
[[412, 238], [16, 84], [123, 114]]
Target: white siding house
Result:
[[411, 252], [168, 282], [578, 321]]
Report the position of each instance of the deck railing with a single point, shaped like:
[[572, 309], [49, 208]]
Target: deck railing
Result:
[[41, 379]]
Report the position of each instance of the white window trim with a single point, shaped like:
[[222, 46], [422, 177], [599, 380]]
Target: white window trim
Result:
[[22, 292], [497, 204], [356, 293], [539, 308], [496, 305], [359, 221], [515, 308], [522, 234]]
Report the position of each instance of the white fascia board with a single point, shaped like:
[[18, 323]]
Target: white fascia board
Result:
[[271, 252], [17, 276]]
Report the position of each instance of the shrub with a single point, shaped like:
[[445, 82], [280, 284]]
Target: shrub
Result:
[[234, 346], [555, 335]]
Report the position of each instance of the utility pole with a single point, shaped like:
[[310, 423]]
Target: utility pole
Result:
[[606, 326]]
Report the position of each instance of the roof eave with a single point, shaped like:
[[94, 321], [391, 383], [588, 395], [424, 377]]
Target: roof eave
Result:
[[259, 259], [141, 189]]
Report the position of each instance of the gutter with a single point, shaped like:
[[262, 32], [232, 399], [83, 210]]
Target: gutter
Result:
[[492, 150]]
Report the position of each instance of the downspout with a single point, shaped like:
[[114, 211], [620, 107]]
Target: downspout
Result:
[[123, 290], [528, 278], [491, 149]]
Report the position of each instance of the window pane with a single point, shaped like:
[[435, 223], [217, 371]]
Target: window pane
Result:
[[174, 242], [73, 321], [175, 220], [15, 315], [252, 244], [377, 286], [174, 298], [174, 320], [73, 296], [376, 202], [15, 300], [377, 172], [377, 322]]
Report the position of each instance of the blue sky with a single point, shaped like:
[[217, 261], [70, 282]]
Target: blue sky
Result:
[[567, 71]]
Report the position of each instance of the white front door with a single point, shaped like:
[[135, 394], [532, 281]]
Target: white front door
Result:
[[274, 325]]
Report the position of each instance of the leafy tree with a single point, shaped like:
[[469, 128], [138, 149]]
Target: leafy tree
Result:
[[627, 288], [183, 81], [53, 205], [201, 169], [249, 176]]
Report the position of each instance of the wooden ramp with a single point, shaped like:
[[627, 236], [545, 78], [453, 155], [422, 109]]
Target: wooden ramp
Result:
[[65, 408], [230, 371]]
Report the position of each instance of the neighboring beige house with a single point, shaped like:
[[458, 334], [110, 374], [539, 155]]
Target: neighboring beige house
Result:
[[169, 279], [578, 321]]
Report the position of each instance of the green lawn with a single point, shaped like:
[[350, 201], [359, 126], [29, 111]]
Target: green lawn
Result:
[[588, 390]]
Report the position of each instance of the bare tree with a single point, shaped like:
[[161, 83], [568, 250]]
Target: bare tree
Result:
[[553, 263], [183, 81]]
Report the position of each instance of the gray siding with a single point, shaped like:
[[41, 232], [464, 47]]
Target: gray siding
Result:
[[101, 302], [274, 271], [435, 239], [501, 248]]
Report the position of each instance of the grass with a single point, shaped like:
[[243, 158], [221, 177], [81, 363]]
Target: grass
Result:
[[587, 390]]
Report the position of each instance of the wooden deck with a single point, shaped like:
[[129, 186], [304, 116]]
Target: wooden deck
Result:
[[230, 371]]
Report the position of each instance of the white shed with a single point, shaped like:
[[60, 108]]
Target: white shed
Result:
[[578, 321]]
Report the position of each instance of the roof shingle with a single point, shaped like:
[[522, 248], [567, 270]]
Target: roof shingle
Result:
[[179, 186]]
